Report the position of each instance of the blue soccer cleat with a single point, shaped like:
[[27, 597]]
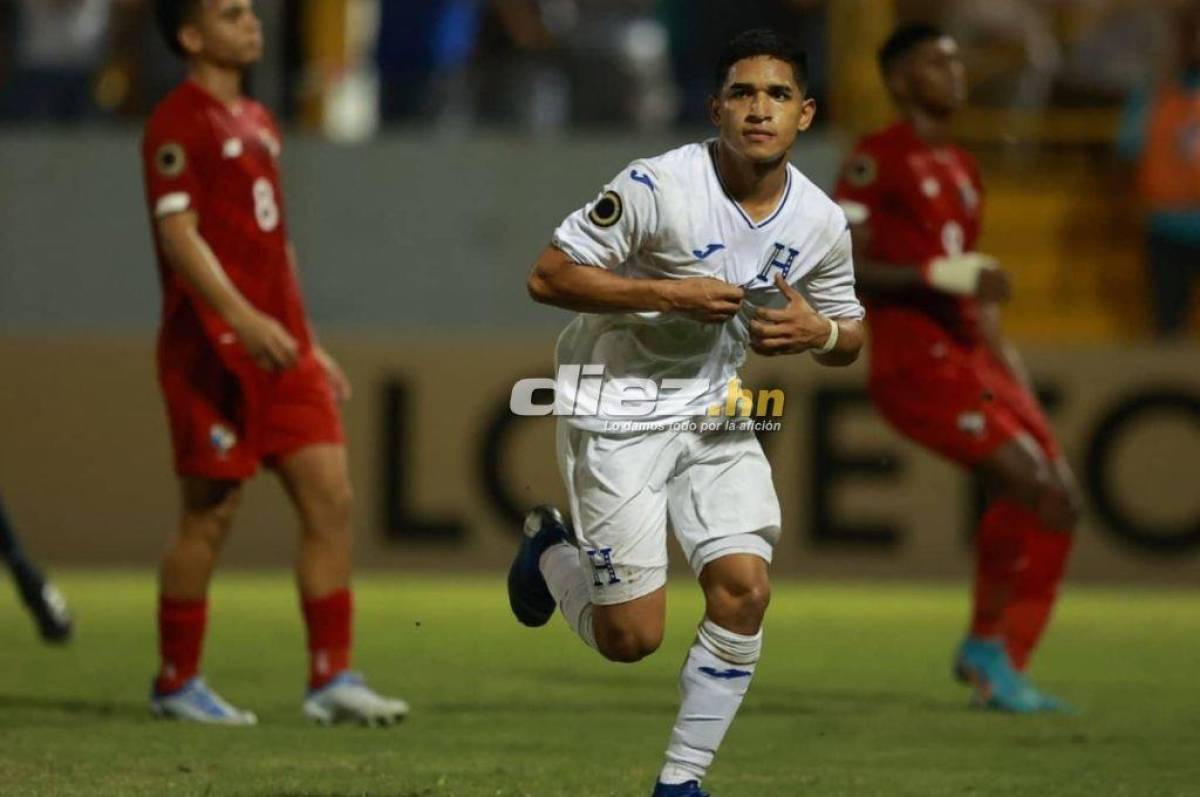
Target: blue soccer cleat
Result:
[[689, 789], [1050, 704], [998, 686], [196, 702], [528, 595]]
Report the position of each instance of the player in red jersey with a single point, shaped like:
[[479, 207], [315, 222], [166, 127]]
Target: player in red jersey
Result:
[[941, 371], [244, 382]]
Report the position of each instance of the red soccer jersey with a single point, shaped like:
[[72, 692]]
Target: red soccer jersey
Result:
[[924, 202], [221, 161]]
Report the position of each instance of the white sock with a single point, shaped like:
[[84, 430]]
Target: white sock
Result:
[[571, 587], [713, 682]]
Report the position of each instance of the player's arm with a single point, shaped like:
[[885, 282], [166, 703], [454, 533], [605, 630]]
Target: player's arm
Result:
[[1003, 349], [558, 280], [970, 274], [189, 256], [799, 328], [580, 269], [824, 317]]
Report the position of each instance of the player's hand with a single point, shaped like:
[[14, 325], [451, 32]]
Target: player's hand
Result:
[[712, 301], [342, 390], [994, 286], [266, 341], [789, 330]]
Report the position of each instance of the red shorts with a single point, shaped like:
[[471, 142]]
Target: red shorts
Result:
[[960, 403], [227, 420]]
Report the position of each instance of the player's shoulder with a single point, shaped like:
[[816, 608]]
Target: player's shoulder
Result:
[[876, 155], [260, 113], [813, 204], [182, 110], [887, 140], [672, 168]]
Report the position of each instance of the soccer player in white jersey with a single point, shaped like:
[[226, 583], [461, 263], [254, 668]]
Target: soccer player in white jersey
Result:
[[682, 263]]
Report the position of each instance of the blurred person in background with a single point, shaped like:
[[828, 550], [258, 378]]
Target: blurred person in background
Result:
[[943, 374], [1160, 132], [245, 383], [618, 61], [58, 46], [699, 28], [521, 64], [1015, 55], [423, 52], [43, 600]]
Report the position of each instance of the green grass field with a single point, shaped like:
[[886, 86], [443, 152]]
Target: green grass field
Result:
[[853, 697]]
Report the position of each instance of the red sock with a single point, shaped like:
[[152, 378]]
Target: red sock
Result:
[[1025, 619], [328, 621], [998, 549], [180, 639]]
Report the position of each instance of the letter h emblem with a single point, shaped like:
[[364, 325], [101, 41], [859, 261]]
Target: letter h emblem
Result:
[[774, 261], [602, 565]]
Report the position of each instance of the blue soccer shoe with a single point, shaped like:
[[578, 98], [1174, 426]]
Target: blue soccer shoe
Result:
[[528, 595], [689, 789], [985, 665]]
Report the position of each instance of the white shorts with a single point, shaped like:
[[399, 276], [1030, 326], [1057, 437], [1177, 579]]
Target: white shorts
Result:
[[714, 488]]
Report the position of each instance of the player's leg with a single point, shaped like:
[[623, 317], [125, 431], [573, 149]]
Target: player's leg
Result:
[[726, 516], [317, 479], [207, 515], [44, 601], [718, 669], [607, 575], [947, 409], [1042, 500], [549, 571], [1023, 544]]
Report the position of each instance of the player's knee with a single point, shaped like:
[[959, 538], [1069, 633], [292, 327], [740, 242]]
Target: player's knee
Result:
[[328, 512], [627, 643], [208, 513], [739, 605], [1059, 507], [208, 529]]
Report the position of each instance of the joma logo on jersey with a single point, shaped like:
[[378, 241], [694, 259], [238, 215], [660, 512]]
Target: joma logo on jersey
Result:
[[776, 260]]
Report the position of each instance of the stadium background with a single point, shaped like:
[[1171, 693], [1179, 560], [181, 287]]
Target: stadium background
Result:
[[416, 226], [431, 146]]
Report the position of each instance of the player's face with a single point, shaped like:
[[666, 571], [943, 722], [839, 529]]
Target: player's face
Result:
[[760, 109], [226, 32], [933, 77]]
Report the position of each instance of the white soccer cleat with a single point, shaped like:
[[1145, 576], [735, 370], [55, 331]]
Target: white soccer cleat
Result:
[[196, 702], [348, 698]]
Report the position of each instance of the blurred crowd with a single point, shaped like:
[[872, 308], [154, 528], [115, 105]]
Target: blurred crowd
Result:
[[550, 64], [349, 67]]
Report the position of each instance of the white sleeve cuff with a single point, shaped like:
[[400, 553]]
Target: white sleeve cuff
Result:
[[170, 204]]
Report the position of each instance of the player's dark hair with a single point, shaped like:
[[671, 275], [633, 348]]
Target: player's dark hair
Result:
[[903, 40], [759, 42], [172, 15]]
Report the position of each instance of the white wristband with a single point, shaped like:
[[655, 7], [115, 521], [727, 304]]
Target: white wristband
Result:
[[830, 344], [958, 274]]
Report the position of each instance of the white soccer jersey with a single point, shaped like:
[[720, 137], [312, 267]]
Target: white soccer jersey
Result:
[[670, 217]]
